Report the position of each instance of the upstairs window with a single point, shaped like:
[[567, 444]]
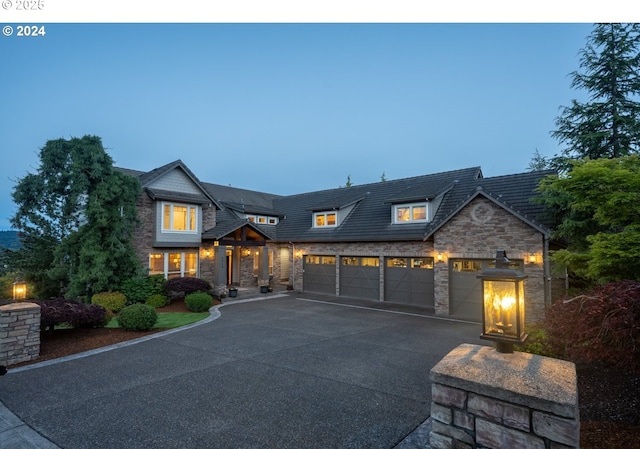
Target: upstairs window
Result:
[[179, 218], [325, 220], [410, 213], [262, 219]]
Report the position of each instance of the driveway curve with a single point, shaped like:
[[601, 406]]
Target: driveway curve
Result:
[[283, 372]]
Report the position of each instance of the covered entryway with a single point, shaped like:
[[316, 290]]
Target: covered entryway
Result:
[[360, 277], [409, 280], [319, 274], [465, 289]]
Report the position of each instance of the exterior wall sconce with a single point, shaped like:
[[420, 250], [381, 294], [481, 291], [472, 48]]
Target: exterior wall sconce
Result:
[[299, 254], [207, 253], [246, 252], [532, 258], [19, 290], [503, 304], [439, 257]]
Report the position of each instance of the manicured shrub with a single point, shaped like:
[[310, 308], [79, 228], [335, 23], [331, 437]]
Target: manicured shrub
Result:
[[601, 325], [137, 317], [156, 301], [138, 289], [59, 311], [187, 285], [113, 301], [198, 302]]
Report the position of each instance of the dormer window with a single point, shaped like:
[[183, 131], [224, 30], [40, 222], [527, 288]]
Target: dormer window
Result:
[[411, 213], [325, 220], [262, 219]]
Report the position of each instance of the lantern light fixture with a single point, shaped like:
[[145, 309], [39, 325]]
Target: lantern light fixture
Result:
[[503, 304], [19, 290]]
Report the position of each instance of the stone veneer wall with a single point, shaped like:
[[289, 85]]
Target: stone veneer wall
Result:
[[19, 333], [485, 399], [476, 232]]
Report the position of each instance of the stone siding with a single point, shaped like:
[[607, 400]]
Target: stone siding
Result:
[[485, 399], [19, 333], [476, 232]]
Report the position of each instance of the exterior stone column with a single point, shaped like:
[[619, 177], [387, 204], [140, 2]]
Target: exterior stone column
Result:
[[263, 267], [19, 333], [483, 398], [220, 271]]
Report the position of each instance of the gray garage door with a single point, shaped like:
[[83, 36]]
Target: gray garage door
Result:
[[409, 280], [320, 274], [360, 277], [465, 289]]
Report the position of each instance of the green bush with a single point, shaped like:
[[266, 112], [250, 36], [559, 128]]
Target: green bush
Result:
[[114, 301], [137, 317], [198, 302], [538, 341], [156, 301], [138, 289]]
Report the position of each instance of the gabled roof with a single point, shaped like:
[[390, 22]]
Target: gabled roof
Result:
[[147, 178], [512, 192], [370, 219], [227, 222]]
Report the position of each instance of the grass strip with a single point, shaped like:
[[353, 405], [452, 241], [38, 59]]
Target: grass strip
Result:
[[169, 320]]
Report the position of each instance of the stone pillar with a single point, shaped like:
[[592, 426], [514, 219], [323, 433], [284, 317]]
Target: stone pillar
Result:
[[19, 333], [220, 270], [482, 398], [263, 267]]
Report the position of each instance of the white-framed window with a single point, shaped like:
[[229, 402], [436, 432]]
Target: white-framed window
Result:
[[411, 213], [262, 219], [256, 262], [179, 218], [325, 220], [174, 264]]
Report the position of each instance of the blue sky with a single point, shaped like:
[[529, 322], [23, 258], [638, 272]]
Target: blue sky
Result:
[[289, 107]]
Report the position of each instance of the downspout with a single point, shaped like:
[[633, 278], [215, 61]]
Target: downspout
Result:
[[547, 272]]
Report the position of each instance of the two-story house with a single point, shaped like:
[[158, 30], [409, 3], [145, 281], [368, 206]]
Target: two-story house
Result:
[[420, 241]]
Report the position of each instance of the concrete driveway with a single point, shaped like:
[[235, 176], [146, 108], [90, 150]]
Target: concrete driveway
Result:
[[283, 372]]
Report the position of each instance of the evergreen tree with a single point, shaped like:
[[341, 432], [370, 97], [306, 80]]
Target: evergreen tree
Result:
[[76, 216], [608, 125]]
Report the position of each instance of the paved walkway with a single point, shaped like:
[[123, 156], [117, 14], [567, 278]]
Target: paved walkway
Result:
[[278, 371]]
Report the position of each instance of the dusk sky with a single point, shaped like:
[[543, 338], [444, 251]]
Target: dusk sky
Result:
[[289, 108]]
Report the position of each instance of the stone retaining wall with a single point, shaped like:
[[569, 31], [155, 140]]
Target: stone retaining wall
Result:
[[485, 399], [19, 333]]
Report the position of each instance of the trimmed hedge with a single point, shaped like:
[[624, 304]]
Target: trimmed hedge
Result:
[[137, 317], [198, 302]]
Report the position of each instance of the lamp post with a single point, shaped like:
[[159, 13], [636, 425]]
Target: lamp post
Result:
[[19, 290], [503, 304]]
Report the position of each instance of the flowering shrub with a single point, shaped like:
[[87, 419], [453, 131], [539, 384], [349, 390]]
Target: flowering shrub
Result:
[[54, 312], [601, 325]]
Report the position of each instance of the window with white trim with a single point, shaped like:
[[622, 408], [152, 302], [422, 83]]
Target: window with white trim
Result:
[[262, 219], [325, 220], [171, 265], [411, 213], [179, 218]]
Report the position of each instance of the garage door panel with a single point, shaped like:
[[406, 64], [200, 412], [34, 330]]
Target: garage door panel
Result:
[[320, 274], [409, 281], [360, 277]]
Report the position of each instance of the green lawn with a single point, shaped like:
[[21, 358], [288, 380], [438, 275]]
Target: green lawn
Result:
[[169, 320]]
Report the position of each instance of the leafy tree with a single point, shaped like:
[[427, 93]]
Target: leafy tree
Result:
[[539, 162], [76, 216], [608, 125], [596, 205]]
